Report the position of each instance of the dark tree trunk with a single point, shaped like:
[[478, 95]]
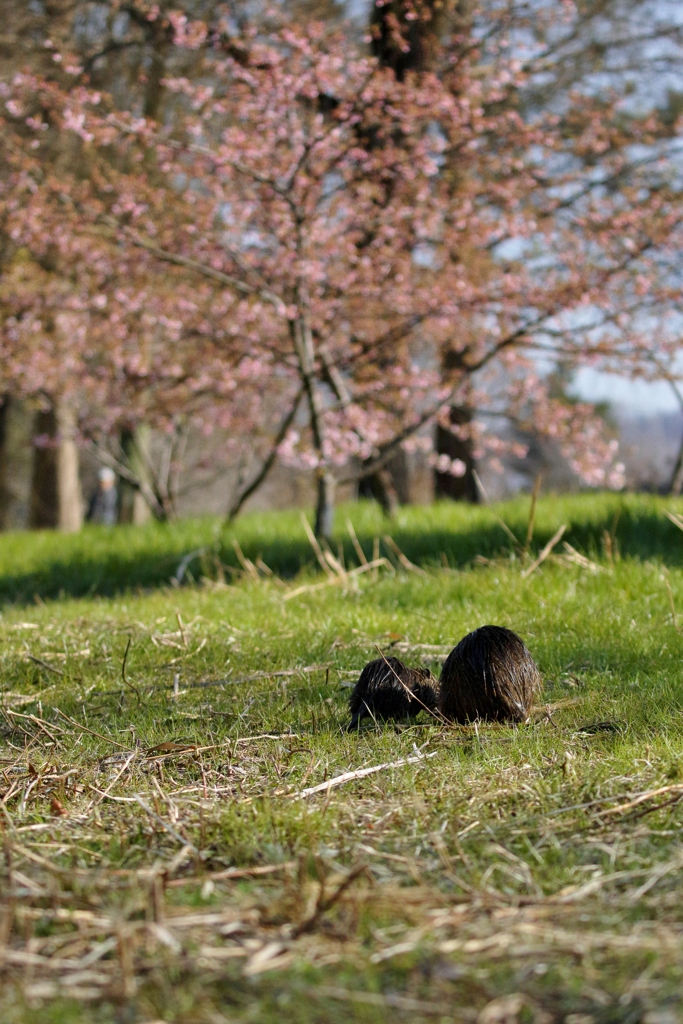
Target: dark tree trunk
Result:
[[55, 487], [676, 485], [380, 487], [417, 47], [457, 488], [44, 513], [16, 463], [324, 512], [421, 27]]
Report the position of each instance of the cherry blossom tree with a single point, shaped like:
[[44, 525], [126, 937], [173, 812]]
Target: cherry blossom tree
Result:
[[314, 247], [589, 62]]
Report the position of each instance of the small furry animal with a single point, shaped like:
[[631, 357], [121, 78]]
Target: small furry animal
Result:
[[490, 676], [389, 689]]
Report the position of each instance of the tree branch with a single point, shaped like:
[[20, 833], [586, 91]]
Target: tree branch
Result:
[[268, 463]]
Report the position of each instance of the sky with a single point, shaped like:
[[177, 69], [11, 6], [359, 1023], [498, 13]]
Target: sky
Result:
[[630, 398]]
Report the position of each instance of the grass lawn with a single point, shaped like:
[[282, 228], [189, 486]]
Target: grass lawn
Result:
[[165, 860]]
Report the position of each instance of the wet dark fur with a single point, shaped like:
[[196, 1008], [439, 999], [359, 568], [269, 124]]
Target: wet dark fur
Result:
[[379, 694], [491, 676]]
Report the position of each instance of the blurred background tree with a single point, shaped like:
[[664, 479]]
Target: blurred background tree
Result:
[[600, 75]]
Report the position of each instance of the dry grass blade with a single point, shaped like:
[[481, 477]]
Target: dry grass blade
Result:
[[660, 872], [42, 725], [181, 750], [22, 851], [318, 551], [130, 686], [555, 539], [325, 903], [245, 562], [223, 876], [675, 518], [674, 617], [181, 628], [44, 664], [388, 1001], [501, 522], [641, 798], [335, 564], [532, 513], [267, 571], [271, 956], [576, 558], [356, 543], [91, 732], [335, 580], [360, 773], [404, 561], [185, 562], [129, 760], [164, 824], [435, 714]]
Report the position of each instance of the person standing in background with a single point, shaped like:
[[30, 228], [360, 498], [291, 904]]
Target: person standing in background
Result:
[[104, 504]]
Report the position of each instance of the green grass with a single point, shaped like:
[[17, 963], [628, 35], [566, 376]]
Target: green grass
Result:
[[528, 874], [103, 562]]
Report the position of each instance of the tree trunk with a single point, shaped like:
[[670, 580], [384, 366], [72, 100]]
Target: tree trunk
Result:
[[56, 501], [380, 486], [43, 511], [69, 496], [676, 485], [16, 463], [422, 29], [136, 447], [324, 512], [457, 488]]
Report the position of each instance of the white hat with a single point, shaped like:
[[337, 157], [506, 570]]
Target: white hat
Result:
[[106, 475]]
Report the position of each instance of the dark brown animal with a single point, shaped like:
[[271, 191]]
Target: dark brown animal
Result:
[[490, 676], [389, 689]]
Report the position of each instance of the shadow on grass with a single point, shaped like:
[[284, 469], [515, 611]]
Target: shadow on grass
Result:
[[104, 562]]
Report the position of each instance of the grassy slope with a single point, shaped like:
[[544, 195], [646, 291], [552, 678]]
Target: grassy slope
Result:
[[508, 866]]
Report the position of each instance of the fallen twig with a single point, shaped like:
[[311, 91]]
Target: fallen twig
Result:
[[44, 664], [360, 773]]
